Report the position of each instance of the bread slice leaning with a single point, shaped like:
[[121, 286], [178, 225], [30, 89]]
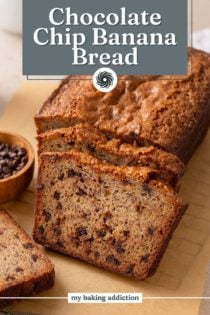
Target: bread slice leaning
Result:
[[115, 217], [85, 138], [24, 269]]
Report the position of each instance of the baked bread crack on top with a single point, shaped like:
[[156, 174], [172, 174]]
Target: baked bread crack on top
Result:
[[118, 218], [171, 113], [24, 269]]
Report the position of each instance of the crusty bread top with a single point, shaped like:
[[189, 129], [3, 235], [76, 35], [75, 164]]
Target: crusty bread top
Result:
[[157, 110], [80, 133], [21, 260]]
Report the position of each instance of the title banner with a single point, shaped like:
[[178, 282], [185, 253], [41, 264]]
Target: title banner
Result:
[[62, 37]]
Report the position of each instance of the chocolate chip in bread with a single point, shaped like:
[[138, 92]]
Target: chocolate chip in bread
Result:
[[118, 218], [86, 138], [24, 269]]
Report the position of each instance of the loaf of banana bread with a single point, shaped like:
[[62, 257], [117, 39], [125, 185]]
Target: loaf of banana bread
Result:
[[86, 138], [118, 218], [170, 113]]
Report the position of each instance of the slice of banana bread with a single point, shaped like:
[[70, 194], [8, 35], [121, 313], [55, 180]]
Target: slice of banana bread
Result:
[[86, 138], [24, 269], [117, 218], [171, 114]]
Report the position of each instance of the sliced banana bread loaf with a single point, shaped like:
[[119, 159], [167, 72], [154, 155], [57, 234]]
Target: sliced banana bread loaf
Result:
[[117, 218], [86, 138], [24, 269], [171, 114]]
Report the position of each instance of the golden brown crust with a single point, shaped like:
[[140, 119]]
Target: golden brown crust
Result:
[[144, 174], [167, 113], [27, 288], [79, 133], [84, 137]]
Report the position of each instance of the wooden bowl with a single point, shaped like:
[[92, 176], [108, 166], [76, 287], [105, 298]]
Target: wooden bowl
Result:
[[11, 187]]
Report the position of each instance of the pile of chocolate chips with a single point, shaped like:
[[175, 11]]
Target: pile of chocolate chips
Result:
[[12, 159]]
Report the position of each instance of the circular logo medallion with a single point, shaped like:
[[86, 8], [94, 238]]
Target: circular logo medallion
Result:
[[105, 80]]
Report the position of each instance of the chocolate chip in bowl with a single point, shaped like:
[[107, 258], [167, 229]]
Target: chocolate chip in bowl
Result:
[[16, 165], [12, 159]]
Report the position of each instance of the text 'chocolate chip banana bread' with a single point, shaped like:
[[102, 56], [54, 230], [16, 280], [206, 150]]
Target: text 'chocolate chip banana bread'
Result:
[[155, 110], [116, 217], [24, 269]]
